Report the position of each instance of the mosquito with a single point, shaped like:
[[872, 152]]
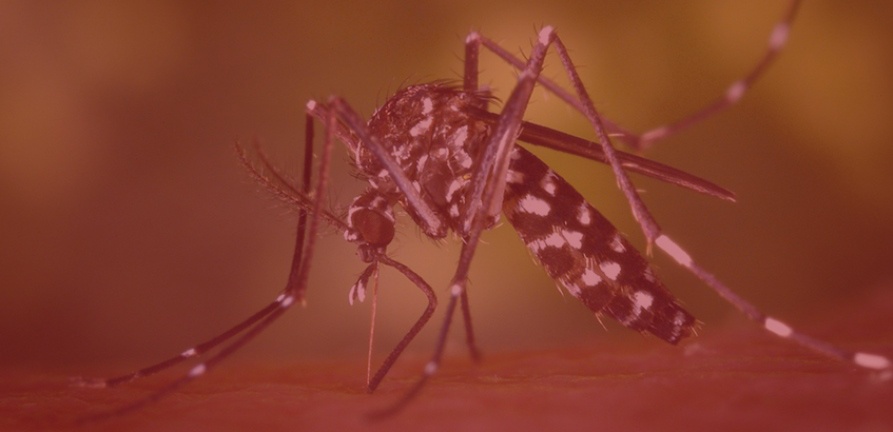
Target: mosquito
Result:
[[453, 166]]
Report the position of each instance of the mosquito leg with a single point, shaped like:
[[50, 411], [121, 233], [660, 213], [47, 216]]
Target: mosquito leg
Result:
[[261, 320], [297, 281], [416, 328], [472, 57], [283, 302], [470, 84], [204, 347], [732, 95], [190, 353], [293, 285], [469, 330], [773, 325], [433, 364], [430, 368]]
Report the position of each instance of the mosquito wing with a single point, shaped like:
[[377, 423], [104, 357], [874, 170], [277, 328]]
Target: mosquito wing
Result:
[[547, 137]]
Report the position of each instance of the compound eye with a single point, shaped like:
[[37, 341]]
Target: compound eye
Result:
[[373, 227]]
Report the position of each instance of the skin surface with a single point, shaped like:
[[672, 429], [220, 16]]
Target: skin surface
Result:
[[733, 378]]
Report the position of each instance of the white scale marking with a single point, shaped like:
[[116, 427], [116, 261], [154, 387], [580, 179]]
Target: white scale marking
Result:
[[573, 289], [548, 183], [655, 134], [610, 269], [779, 36], [401, 153], [465, 161], [546, 34], [533, 205], [555, 240], [778, 327], [427, 106], [590, 277], [643, 300], [287, 301], [574, 238], [673, 249], [430, 368], [512, 176], [584, 215], [735, 91], [454, 186], [871, 361], [197, 370], [617, 244], [454, 211], [459, 138], [421, 127], [677, 323], [358, 291], [679, 319]]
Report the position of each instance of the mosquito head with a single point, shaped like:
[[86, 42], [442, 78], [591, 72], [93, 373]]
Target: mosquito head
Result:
[[371, 223]]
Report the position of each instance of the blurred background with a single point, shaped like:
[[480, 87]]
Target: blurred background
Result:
[[130, 231]]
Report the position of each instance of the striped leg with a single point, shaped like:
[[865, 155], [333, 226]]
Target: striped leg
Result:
[[259, 321], [642, 141], [773, 325]]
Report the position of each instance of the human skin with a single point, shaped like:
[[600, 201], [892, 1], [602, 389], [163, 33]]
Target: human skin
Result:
[[736, 377]]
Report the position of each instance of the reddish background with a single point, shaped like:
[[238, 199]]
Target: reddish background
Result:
[[130, 231]]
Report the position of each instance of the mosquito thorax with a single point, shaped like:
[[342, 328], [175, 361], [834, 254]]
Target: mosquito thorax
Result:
[[432, 133]]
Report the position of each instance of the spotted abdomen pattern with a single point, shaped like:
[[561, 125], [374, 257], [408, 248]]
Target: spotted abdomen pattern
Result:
[[582, 251]]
